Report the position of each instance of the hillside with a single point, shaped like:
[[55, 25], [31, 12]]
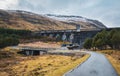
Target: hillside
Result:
[[78, 20], [17, 19]]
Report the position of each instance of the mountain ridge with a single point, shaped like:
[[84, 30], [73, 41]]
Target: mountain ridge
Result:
[[18, 19], [71, 18]]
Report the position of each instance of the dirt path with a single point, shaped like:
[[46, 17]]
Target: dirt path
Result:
[[96, 65]]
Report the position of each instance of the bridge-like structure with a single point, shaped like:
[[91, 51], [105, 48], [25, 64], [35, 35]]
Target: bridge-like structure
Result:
[[34, 50], [72, 35]]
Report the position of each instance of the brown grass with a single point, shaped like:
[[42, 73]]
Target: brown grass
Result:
[[49, 65], [115, 63], [41, 44], [13, 64]]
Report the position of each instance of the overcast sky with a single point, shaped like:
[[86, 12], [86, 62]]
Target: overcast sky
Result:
[[106, 11]]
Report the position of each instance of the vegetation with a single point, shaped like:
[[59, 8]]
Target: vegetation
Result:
[[12, 64], [104, 40], [88, 43], [63, 69], [46, 65], [8, 52], [8, 40], [10, 37], [115, 63], [14, 31]]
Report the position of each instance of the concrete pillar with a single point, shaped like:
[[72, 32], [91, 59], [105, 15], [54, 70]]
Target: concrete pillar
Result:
[[64, 37], [27, 53], [78, 27], [39, 53], [71, 38], [51, 35], [57, 37], [31, 52]]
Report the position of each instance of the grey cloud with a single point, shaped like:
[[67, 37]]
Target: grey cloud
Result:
[[106, 11]]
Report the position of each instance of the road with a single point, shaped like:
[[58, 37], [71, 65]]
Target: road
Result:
[[96, 65]]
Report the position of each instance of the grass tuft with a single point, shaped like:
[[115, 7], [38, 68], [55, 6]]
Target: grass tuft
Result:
[[115, 63]]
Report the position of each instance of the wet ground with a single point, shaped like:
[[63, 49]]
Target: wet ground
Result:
[[96, 65]]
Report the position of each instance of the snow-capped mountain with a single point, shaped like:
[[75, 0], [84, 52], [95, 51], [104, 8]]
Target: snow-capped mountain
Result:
[[76, 19], [67, 18], [18, 19]]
